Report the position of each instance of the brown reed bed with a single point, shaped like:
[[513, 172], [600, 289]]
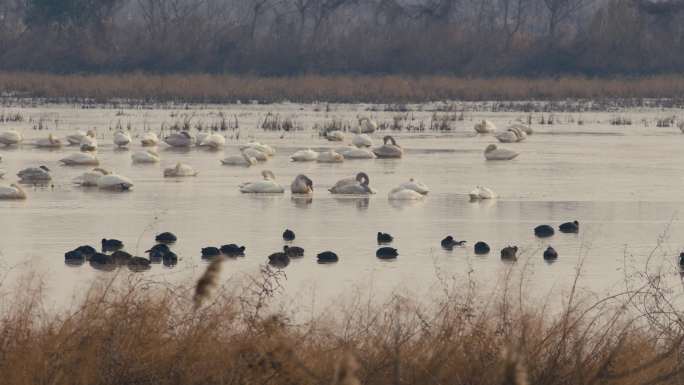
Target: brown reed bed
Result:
[[201, 88], [128, 330]]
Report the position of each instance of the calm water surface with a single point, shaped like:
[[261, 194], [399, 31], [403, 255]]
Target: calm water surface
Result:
[[623, 184]]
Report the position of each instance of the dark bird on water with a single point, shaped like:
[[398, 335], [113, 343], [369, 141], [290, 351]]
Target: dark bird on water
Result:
[[166, 238], [327, 256], [279, 260], [386, 253], [481, 248], [111, 244], [509, 253], [288, 235], [385, 238], [233, 250], [550, 254], [449, 242], [543, 231], [569, 227], [293, 251], [208, 252]]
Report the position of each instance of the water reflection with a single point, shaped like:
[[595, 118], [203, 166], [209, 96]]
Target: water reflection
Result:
[[301, 201], [361, 203]]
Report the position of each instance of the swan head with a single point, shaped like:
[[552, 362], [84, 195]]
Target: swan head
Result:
[[186, 134], [362, 177], [491, 148], [308, 182], [268, 175], [44, 168]]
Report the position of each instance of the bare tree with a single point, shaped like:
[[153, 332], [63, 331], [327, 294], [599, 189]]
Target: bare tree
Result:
[[559, 11]]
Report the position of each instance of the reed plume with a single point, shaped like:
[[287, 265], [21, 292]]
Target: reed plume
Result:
[[207, 281]]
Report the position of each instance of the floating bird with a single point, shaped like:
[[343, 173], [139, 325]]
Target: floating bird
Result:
[[302, 185], [492, 152], [90, 178], [386, 253], [179, 171], [391, 150], [233, 250], [267, 185], [51, 141], [403, 194], [293, 251], [89, 143], [330, 156], [239, 160], [166, 237], [10, 138], [449, 242], [416, 186], [569, 227], [149, 139], [307, 155], [80, 159], [357, 153], [481, 192], [288, 235], [213, 141], [208, 252], [86, 250], [362, 140], [384, 238], [484, 127], [481, 248], [145, 156], [158, 251], [543, 231], [335, 136], [550, 254], [12, 192], [279, 260], [179, 139], [111, 244], [35, 174], [122, 139], [509, 253], [355, 185], [114, 182], [327, 257]]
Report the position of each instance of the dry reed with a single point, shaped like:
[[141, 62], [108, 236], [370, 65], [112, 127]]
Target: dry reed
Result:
[[313, 88]]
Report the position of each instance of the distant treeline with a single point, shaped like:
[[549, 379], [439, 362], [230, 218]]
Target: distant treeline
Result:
[[286, 37]]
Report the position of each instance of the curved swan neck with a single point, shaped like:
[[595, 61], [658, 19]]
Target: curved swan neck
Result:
[[362, 177]]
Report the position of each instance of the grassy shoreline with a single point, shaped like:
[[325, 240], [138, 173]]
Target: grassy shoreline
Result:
[[200, 88]]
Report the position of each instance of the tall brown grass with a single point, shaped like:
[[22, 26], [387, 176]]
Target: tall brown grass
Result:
[[313, 88], [128, 330]]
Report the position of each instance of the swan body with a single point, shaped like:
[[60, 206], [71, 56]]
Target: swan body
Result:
[[492, 152], [149, 139], [90, 178], [267, 185], [181, 170], [330, 157], [522, 127], [403, 194], [122, 139], [359, 153], [356, 186], [213, 141], [88, 143], [416, 186], [50, 142], [114, 182], [511, 135], [366, 126], [362, 140], [335, 136], [307, 155], [342, 150], [12, 191], [485, 127], [201, 137], [10, 138], [239, 160], [302, 185], [265, 148], [389, 150], [179, 139], [75, 139], [481, 192], [80, 159], [145, 156], [35, 174], [255, 153]]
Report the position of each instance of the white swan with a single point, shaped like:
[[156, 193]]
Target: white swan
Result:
[[307, 155], [329, 157], [362, 140], [199, 138], [366, 126], [494, 153], [511, 135], [522, 127], [179, 139], [122, 139], [145, 156], [356, 185], [90, 178], [391, 150], [89, 143], [80, 159], [482, 193], [344, 149], [51, 141], [358, 153], [114, 182], [12, 191], [149, 139], [302, 185], [180, 170], [213, 141], [335, 136], [10, 138], [75, 139], [404, 194], [416, 186], [255, 153], [239, 160], [484, 127], [267, 185], [35, 174], [265, 148]]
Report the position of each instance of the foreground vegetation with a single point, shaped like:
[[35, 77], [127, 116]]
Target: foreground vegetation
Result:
[[128, 330], [314, 88]]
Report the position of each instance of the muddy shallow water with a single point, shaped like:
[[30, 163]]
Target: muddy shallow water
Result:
[[623, 183]]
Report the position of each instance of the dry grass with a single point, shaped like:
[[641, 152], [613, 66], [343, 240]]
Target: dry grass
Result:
[[132, 331], [313, 88]]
